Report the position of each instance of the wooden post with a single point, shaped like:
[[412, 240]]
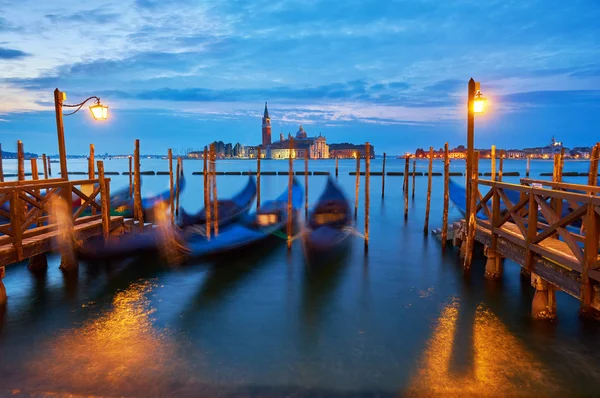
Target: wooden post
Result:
[[531, 229], [383, 177], [207, 204], [59, 97], [593, 173], [406, 168], [357, 184], [561, 165], [591, 257], [306, 184], [258, 179], [528, 166], [64, 221], [215, 202], [137, 197], [473, 215], [49, 167], [171, 193], [2, 178], [178, 183], [470, 141], [91, 173], [130, 179], [336, 166], [446, 197], [427, 205], [493, 160], [21, 161], [492, 266], [45, 165], [413, 177], [3, 296], [289, 204], [501, 165], [104, 200], [367, 192], [35, 177]]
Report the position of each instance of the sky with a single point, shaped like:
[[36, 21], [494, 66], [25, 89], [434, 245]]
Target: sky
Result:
[[181, 74]]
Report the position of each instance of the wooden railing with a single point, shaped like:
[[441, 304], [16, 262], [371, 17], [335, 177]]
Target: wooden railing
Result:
[[26, 206], [567, 234]]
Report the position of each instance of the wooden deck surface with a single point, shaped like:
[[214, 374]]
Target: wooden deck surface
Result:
[[40, 240]]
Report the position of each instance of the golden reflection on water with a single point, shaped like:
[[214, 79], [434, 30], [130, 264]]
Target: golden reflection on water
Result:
[[118, 353], [500, 363]]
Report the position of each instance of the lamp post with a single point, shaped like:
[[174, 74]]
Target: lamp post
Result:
[[99, 112], [475, 104]]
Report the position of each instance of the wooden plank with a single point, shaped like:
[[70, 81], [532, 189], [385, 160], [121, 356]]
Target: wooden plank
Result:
[[87, 202], [553, 218], [562, 222]]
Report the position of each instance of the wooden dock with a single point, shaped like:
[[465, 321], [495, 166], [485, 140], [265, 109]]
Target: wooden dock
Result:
[[28, 229], [553, 232]]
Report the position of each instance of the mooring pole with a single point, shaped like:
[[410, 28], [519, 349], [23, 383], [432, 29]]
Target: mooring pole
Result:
[[178, 183], [413, 178], [49, 167], [21, 161], [289, 203], [367, 192], [104, 200], [336, 166], [137, 199], [213, 150], [528, 166], [207, 184], [357, 184], [406, 168], [470, 142], [427, 205], [171, 193], [258, 179], [91, 171], [306, 184], [2, 171], [501, 165], [472, 223], [446, 197], [493, 160], [45, 165], [59, 97], [383, 177]]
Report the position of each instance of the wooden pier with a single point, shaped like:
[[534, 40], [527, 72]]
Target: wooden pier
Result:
[[557, 248], [30, 230]]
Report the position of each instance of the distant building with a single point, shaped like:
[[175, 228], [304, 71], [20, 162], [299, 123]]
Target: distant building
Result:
[[581, 152], [546, 152], [516, 154], [316, 147], [252, 152], [266, 128], [346, 150]]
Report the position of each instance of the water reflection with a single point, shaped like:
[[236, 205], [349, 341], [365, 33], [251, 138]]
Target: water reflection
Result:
[[118, 353], [500, 364]]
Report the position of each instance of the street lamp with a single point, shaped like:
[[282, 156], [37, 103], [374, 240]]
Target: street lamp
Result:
[[475, 104], [99, 112]]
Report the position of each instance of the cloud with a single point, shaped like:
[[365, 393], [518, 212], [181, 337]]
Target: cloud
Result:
[[9, 53], [93, 16]]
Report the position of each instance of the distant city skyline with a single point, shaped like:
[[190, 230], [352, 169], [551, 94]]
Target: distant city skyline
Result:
[[181, 74]]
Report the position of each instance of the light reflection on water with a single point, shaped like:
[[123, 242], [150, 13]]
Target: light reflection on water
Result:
[[497, 364]]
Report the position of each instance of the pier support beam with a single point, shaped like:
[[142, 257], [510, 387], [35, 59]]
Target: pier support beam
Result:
[[543, 305], [2, 288], [38, 263], [493, 265]]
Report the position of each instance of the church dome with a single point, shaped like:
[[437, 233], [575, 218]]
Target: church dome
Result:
[[301, 134]]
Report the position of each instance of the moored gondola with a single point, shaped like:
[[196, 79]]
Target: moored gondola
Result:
[[192, 243], [229, 209], [328, 226]]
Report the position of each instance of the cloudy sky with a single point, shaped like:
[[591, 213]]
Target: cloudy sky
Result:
[[394, 72]]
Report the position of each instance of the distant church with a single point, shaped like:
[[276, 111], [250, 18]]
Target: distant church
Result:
[[266, 128]]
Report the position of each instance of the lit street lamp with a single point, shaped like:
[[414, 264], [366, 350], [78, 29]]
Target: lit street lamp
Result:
[[99, 112], [475, 104]]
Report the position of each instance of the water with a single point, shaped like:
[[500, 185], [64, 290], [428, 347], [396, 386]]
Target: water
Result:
[[401, 320]]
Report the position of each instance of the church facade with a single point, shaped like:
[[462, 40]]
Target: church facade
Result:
[[315, 147]]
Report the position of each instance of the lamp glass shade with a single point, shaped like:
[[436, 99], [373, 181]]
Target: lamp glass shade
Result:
[[99, 111], [478, 104]]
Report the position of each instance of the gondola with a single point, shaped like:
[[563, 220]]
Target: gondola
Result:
[[229, 209], [193, 243], [328, 226]]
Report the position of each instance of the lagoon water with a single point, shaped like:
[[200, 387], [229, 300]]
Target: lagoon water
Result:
[[402, 320]]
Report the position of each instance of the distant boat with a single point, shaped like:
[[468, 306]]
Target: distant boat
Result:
[[54, 161]]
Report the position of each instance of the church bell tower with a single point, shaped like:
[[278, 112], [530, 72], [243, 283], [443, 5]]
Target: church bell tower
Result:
[[266, 129]]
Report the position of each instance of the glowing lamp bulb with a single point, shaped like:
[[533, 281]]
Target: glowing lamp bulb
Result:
[[478, 103], [99, 111]]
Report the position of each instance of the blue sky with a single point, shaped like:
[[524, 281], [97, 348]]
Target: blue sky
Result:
[[181, 74]]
